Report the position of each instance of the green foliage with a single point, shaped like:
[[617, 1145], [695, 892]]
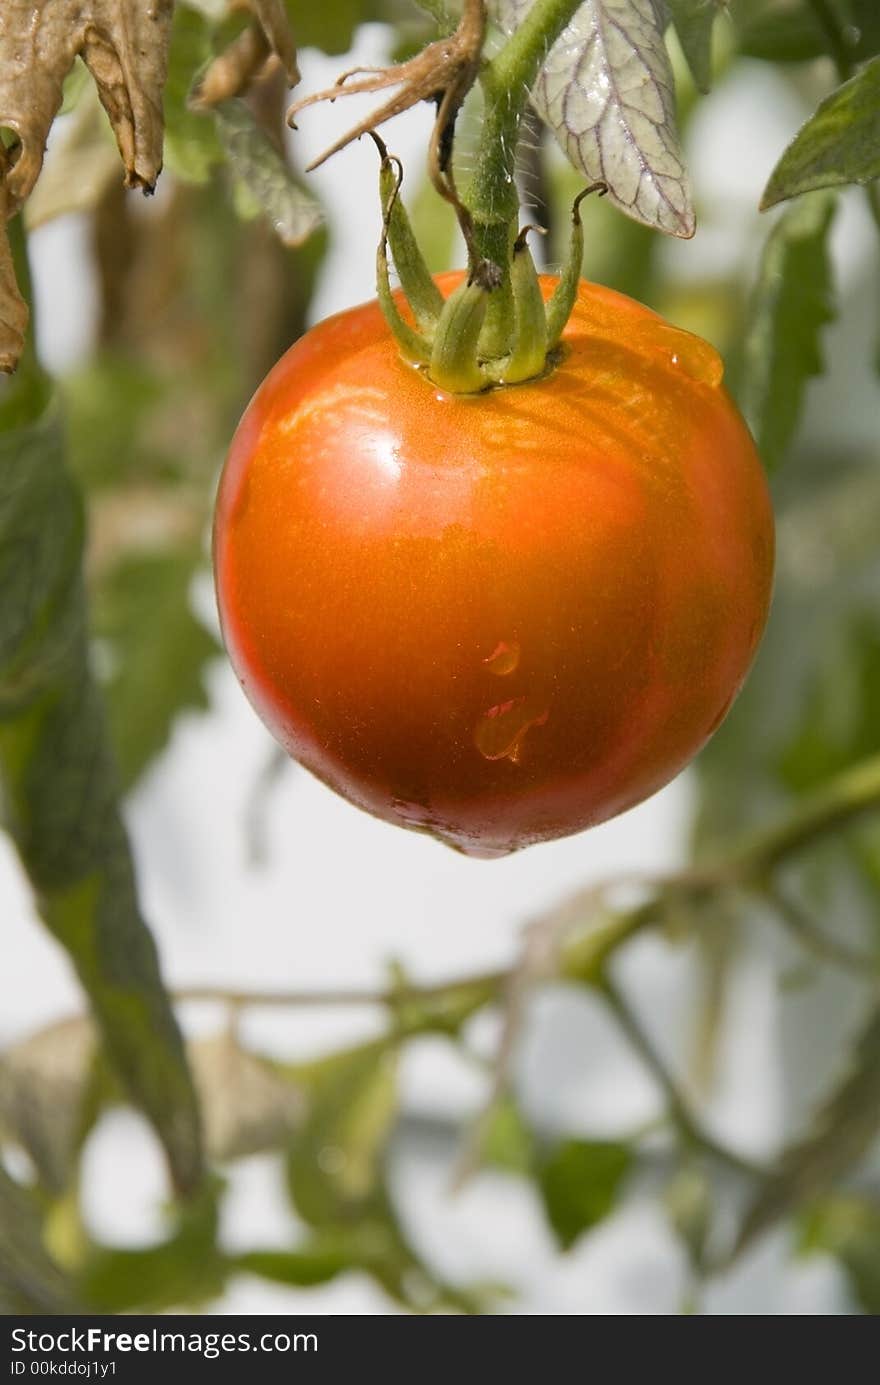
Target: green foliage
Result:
[[191, 145], [791, 304], [195, 306], [579, 1183], [60, 778], [182, 1272], [839, 144], [849, 1228], [694, 21], [265, 176], [842, 1133], [150, 638], [30, 1281]]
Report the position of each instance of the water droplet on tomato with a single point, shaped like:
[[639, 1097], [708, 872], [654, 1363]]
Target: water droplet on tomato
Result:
[[504, 658], [692, 355], [500, 732]]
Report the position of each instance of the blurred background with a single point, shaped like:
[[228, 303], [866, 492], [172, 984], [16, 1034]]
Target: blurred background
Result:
[[158, 318]]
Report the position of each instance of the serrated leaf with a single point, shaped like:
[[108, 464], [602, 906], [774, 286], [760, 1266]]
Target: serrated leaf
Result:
[[144, 620], [264, 172], [843, 1130], [606, 91], [246, 1107], [60, 784], [694, 21], [840, 144], [44, 1082], [579, 1183], [335, 1165], [30, 1281], [791, 303]]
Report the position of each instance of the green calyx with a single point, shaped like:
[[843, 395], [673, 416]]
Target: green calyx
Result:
[[456, 341]]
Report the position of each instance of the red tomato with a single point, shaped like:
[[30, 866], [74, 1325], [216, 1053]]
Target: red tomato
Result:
[[498, 618]]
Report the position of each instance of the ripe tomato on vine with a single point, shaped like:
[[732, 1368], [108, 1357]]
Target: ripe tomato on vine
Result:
[[493, 553]]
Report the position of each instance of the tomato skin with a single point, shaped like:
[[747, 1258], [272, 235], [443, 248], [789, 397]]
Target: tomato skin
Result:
[[499, 618]]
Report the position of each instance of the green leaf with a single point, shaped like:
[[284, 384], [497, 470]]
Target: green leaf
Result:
[[192, 148], [335, 1166], [317, 1262], [184, 1271], [784, 33], [693, 21], [30, 1281], [508, 1143], [865, 22], [263, 171], [849, 1228], [60, 783], [843, 1130], [791, 303], [840, 144], [580, 1183], [330, 27], [143, 619], [839, 724]]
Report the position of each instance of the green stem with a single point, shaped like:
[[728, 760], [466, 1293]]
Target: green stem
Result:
[[492, 197]]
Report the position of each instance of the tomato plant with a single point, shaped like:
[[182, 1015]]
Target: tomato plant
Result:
[[504, 617]]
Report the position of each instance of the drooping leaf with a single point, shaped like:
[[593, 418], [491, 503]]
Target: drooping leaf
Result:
[[30, 1281], [606, 92], [843, 1131], [694, 21], [791, 303], [60, 781], [150, 638], [262, 169], [579, 1183], [840, 144]]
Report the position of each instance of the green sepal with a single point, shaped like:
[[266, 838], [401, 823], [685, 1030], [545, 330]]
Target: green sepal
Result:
[[560, 307], [454, 362], [422, 293], [529, 355], [413, 346]]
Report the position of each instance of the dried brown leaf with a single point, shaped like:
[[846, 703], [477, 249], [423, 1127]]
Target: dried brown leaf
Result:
[[246, 1107], [124, 44], [13, 309], [248, 55]]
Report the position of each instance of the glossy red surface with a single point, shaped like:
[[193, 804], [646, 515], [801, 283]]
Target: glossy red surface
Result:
[[500, 618]]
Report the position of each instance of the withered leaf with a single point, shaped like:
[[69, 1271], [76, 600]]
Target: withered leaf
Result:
[[13, 309], [124, 44]]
